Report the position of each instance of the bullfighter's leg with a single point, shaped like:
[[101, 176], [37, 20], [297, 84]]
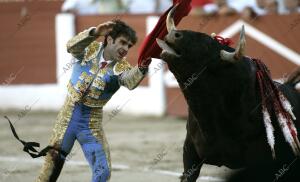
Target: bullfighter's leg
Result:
[[192, 162], [95, 155], [95, 147], [63, 138], [54, 160]]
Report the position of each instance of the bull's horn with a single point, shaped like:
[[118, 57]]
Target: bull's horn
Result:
[[239, 51], [169, 21]]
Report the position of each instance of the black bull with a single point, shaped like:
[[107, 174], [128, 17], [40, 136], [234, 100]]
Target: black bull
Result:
[[225, 123]]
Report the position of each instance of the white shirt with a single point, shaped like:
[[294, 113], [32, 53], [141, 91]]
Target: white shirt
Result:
[[103, 60]]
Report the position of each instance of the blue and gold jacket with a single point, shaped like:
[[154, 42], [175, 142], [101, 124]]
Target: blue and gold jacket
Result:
[[89, 84]]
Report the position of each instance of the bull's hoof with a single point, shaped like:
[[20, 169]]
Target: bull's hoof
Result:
[[183, 178]]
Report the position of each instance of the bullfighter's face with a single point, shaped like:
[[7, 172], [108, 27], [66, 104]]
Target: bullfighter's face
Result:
[[117, 49]]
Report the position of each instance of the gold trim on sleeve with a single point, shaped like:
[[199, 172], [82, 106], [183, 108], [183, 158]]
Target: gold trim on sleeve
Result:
[[121, 66]]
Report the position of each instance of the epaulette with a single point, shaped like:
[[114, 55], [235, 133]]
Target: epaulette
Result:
[[121, 66], [91, 52]]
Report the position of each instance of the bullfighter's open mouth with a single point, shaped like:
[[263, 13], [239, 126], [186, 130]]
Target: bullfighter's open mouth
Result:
[[166, 49]]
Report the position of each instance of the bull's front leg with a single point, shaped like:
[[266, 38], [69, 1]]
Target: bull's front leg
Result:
[[191, 160]]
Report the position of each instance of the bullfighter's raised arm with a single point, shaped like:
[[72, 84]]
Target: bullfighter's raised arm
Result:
[[77, 45]]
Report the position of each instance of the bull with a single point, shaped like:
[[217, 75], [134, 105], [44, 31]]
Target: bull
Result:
[[225, 125]]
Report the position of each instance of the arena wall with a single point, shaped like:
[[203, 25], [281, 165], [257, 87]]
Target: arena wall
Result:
[[35, 66]]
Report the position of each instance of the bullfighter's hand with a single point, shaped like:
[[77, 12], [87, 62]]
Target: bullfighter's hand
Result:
[[144, 64], [103, 28]]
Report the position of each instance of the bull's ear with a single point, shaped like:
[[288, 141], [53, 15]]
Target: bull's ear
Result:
[[239, 51]]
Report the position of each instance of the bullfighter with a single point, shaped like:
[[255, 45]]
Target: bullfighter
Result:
[[99, 71]]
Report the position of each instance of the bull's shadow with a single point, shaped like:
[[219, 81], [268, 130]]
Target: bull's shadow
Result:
[[235, 119]]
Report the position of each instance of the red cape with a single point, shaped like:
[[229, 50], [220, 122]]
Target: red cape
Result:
[[149, 47]]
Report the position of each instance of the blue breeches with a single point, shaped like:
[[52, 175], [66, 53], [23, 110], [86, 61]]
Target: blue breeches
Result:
[[81, 123]]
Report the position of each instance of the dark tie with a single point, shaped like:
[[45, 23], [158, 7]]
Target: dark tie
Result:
[[103, 64]]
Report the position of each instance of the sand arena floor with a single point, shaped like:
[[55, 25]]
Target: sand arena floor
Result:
[[143, 149]]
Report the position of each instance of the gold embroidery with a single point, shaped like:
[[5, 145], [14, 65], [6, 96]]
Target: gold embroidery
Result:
[[75, 95], [94, 93], [102, 71], [93, 102], [78, 44], [99, 83], [83, 75], [132, 78], [88, 79], [77, 85], [95, 61], [78, 38], [82, 87], [121, 66], [94, 68], [59, 130], [92, 51]]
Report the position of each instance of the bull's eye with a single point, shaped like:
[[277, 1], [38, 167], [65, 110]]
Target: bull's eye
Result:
[[177, 35]]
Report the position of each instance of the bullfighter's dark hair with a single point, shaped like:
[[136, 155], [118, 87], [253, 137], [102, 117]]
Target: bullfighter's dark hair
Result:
[[121, 29]]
